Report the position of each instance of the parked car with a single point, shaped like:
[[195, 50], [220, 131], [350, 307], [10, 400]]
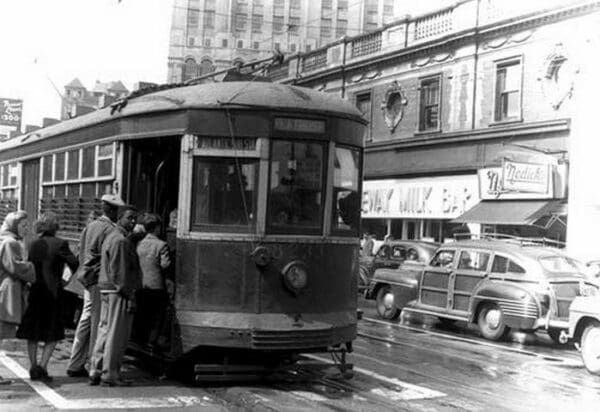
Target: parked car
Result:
[[584, 330], [390, 255], [497, 284]]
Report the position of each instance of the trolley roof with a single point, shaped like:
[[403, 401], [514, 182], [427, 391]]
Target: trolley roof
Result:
[[213, 96]]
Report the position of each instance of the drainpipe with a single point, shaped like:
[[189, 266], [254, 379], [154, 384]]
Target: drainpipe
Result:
[[476, 61], [344, 67]]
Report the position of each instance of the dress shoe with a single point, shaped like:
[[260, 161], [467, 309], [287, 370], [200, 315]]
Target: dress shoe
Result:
[[35, 373], [95, 380], [80, 373], [45, 377], [117, 382]]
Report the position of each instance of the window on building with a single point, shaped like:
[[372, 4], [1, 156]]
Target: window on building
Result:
[[193, 19], [326, 4], [293, 48], [341, 28], [371, 26], [342, 5], [308, 48], [224, 43], [277, 46], [363, 103], [278, 23], [508, 90], [256, 45], [240, 44], [257, 21], [206, 42], [210, 4], [388, 7], [278, 3], [209, 19], [429, 115], [190, 69], [325, 27], [295, 4], [206, 66], [240, 21], [294, 24], [191, 41]]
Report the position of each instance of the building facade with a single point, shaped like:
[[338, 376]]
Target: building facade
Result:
[[208, 35], [78, 100], [470, 109]]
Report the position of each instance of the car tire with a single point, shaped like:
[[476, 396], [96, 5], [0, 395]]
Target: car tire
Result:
[[555, 336], [491, 322], [590, 348], [385, 304]]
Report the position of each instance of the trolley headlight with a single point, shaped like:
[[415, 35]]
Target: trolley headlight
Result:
[[295, 276]]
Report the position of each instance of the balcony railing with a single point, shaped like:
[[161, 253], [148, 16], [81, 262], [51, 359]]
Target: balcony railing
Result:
[[434, 24], [367, 44], [313, 61]]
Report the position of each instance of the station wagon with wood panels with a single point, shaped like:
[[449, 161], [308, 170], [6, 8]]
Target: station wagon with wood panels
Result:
[[497, 284]]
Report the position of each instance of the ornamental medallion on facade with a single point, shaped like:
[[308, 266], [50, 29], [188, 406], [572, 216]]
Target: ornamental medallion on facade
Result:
[[557, 76], [393, 105]]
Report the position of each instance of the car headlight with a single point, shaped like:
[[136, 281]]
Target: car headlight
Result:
[[295, 276]]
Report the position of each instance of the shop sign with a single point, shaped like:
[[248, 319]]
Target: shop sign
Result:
[[444, 197], [11, 112], [516, 181]]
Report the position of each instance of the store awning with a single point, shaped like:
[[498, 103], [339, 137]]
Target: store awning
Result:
[[541, 213]]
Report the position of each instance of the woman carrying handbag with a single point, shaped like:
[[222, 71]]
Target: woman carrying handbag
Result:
[[15, 273]]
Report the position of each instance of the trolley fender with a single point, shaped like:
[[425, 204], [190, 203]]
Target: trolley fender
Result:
[[497, 291]]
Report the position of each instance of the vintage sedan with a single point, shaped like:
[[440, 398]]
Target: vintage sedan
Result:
[[584, 330], [391, 254], [497, 284]]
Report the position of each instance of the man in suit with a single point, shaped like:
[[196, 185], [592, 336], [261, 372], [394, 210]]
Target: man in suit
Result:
[[90, 246]]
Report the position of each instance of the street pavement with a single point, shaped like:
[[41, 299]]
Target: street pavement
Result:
[[409, 365]]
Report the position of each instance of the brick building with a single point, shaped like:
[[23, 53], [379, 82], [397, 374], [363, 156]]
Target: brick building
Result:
[[470, 110], [78, 100]]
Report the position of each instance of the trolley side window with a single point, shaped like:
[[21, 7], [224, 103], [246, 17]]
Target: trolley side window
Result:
[[346, 198], [224, 194], [296, 194]]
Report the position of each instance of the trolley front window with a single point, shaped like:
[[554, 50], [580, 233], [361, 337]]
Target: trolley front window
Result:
[[346, 198], [224, 194], [296, 193]]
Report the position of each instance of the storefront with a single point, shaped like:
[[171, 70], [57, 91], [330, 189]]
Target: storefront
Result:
[[419, 208], [521, 199]]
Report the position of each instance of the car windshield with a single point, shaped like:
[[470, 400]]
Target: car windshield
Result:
[[560, 265]]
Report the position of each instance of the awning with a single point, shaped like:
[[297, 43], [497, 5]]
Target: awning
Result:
[[540, 213]]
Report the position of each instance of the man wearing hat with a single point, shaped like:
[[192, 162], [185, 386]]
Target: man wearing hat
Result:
[[90, 247]]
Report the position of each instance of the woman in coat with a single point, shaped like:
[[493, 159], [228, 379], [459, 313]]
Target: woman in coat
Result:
[[15, 273], [42, 321]]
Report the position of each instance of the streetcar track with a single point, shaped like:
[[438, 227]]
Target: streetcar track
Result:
[[477, 362], [471, 341]]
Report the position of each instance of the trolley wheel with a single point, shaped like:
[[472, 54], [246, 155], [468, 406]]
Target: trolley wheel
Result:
[[590, 348], [491, 322], [385, 304], [555, 336]]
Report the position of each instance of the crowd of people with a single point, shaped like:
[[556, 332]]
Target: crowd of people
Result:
[[122, 263]]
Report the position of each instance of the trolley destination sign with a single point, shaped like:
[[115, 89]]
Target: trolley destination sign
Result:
[[225, 143]]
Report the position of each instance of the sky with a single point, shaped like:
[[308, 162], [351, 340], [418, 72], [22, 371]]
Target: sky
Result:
[[54, 41]]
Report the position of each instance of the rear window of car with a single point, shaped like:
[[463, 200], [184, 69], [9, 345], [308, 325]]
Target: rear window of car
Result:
[[559, 264], [503, 264]]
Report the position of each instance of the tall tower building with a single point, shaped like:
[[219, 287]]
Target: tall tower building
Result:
[[208, 35]]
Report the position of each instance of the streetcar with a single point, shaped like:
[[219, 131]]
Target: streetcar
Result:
[[258, 185]]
